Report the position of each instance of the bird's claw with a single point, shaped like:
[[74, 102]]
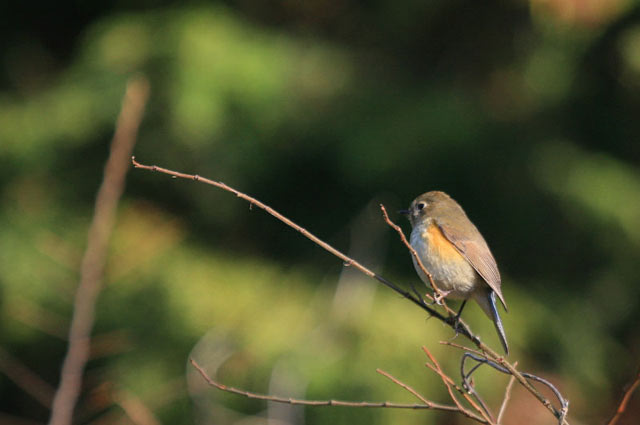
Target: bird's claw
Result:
[[440, 295], [454, 321]]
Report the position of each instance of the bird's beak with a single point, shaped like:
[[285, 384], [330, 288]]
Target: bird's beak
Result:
[[403, 212]]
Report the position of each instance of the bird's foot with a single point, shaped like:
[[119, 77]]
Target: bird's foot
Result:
[[440, 295], [454, 321]]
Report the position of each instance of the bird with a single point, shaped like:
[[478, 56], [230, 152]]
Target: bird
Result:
[[455, 254]]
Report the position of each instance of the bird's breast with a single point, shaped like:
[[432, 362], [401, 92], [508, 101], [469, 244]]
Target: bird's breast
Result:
[[449, 268]]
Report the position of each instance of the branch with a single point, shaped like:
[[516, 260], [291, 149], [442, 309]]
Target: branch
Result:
[[463, 348], [435, 406], [448, 382], [625, 399], [507, 396], [467, 382], [439, 297], [564, 403], [294, 401], [93, 262], [458, 326], [348, 261]]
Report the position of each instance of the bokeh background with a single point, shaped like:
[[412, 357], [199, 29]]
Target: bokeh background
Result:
[[526, 112]]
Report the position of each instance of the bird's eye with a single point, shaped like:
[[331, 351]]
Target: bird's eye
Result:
[[421, 205]]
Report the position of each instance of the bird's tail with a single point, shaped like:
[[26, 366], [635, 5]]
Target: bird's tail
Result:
[[488, 304]]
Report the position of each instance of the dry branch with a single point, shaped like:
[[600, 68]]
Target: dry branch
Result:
[[458, 325], [450, 385], [419, 396], [93, 262], [507, 397], [294, 401], [439, 295]]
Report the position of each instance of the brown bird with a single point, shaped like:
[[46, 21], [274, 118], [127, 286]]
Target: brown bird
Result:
[[452, 249]]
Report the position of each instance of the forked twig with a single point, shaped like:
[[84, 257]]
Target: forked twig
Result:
[[407, 387], [500, 364], [564, 403], [419, 396], [294, 401], [450, 385], [467, 382]]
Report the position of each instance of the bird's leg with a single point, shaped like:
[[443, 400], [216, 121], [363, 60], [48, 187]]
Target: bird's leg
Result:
[[460, 311], [456, 319], [439, 295]]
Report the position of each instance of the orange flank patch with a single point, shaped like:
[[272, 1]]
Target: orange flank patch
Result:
[[440, 245]]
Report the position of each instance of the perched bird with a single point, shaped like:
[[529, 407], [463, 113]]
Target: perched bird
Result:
[[452, 249]]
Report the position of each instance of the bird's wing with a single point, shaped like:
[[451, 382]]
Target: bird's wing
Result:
[[477, 253]]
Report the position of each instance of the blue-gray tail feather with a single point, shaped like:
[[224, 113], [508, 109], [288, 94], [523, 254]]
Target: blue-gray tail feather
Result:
[[497, 321]]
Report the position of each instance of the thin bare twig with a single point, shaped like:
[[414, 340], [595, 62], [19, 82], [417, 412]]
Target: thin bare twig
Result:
[[462, 347], [467, 383], [439, 295], [625, 400], [93, 262], [483, 410], [521, 377], [482, 359], [435, 406], [507, 396], [450, 385], [462, 327], [294, 401]]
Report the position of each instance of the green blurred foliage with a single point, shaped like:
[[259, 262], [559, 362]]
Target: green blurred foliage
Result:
[[526, 113]]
